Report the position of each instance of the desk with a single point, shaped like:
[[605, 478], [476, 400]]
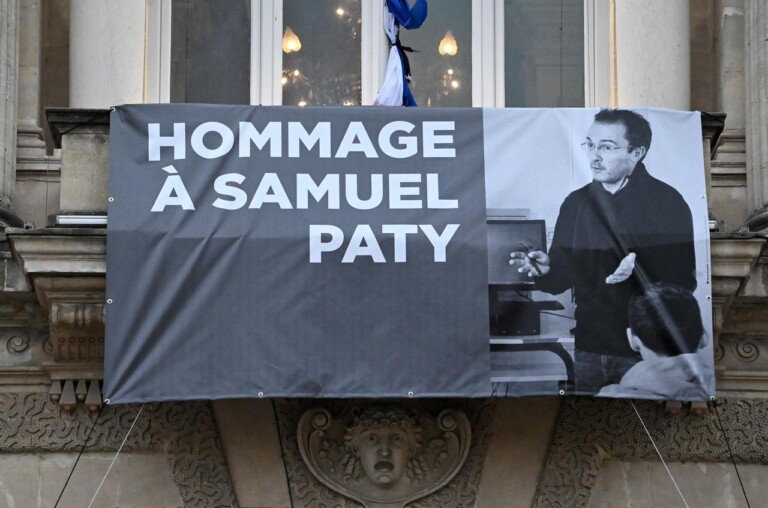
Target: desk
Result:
[[547, 357]]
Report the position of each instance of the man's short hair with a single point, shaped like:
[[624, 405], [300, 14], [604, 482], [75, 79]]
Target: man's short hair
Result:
[[666, 318], [638, 130]]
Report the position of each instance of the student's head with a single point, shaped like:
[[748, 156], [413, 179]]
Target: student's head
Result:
[[666, 320]]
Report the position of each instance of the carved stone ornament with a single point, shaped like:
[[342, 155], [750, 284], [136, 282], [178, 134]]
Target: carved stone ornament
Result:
[[384, 456]]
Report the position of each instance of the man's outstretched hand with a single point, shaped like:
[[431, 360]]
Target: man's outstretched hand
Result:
[[535, 262]]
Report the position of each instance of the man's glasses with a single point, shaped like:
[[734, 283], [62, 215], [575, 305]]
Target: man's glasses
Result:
[[601, 148]]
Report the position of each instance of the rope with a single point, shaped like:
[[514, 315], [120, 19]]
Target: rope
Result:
[[659, 454], [82, 448], [730, 452], [116, 454]]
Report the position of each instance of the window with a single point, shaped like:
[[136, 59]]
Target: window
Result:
[[533, 53], [544, 53], [210, 51], [321, 52], [442, 62]]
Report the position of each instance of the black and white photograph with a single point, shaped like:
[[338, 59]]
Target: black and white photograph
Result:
[[598, 259]]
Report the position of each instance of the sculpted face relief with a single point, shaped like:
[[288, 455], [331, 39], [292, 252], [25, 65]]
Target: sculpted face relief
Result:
[[383, 453], [383, 441]]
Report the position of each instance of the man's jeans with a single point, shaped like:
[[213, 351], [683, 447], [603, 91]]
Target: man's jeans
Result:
[[593, 370]]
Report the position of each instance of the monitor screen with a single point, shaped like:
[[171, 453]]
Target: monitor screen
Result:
[[505, 236]]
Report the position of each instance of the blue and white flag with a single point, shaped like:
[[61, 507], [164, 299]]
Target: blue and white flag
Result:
[[394, 91]]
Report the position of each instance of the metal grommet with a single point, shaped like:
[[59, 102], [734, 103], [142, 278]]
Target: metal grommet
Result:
[[562, 392], [109, 300], [106, 401], [410, 394], [709, 297], [261, 394], [111, 199]]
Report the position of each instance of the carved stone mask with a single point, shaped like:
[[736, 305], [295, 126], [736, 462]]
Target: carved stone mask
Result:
[[384, 455], [383, 442]]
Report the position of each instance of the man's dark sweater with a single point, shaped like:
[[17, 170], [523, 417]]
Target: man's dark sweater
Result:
[[595, 231]]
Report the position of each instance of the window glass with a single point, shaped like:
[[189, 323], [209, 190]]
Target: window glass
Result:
[[321, 52], [211, 51], [442, 66], [544, 53]]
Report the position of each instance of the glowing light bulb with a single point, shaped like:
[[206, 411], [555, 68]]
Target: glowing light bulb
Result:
[[296, 73], [284, 80], [450, 72], [291, 41], [448, 45], [340, 12], [302, 103], [455, 84]]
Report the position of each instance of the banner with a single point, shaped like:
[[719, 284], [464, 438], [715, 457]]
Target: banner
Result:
[[391, 252], [275, 251]]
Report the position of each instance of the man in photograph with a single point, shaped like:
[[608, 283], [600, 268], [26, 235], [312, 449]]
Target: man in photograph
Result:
[[618, 234]]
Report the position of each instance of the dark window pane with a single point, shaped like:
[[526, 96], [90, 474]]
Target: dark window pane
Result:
[[326, 70], [211, 51], [442, 80], [544, 53]]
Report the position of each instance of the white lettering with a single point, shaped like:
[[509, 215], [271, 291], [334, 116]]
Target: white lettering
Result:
[[227, 140], [356, 140], [397, 191], [363, 243], [155, 141], [305, 185], [433, 194], [431, 139], [270, 134], [321, 135], [173, 193], [353, 195], [439, 242], [398, 231], [410, 143], [316, 244], [238, 195], [270, 190]]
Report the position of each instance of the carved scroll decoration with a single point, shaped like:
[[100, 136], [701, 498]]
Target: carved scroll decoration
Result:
[[17, 344]]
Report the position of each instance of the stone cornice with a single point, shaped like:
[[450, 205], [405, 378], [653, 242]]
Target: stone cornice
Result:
[[67, 270], [739, 322], [64, 120], [59, 251]]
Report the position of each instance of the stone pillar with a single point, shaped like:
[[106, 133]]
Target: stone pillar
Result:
[[756, 32], [729, 47], [106, 53], [652, 53], [729, 165], [29, 129], [9, 66]]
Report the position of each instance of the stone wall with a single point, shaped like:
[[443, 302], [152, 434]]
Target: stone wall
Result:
[[183, 433]]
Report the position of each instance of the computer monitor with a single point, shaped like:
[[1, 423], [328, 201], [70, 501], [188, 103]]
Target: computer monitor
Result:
[[507, 235]]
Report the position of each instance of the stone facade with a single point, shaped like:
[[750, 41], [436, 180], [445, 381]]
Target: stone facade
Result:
[[532, 452]]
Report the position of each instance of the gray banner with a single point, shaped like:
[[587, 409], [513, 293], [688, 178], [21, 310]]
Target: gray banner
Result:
[[315, 252]]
